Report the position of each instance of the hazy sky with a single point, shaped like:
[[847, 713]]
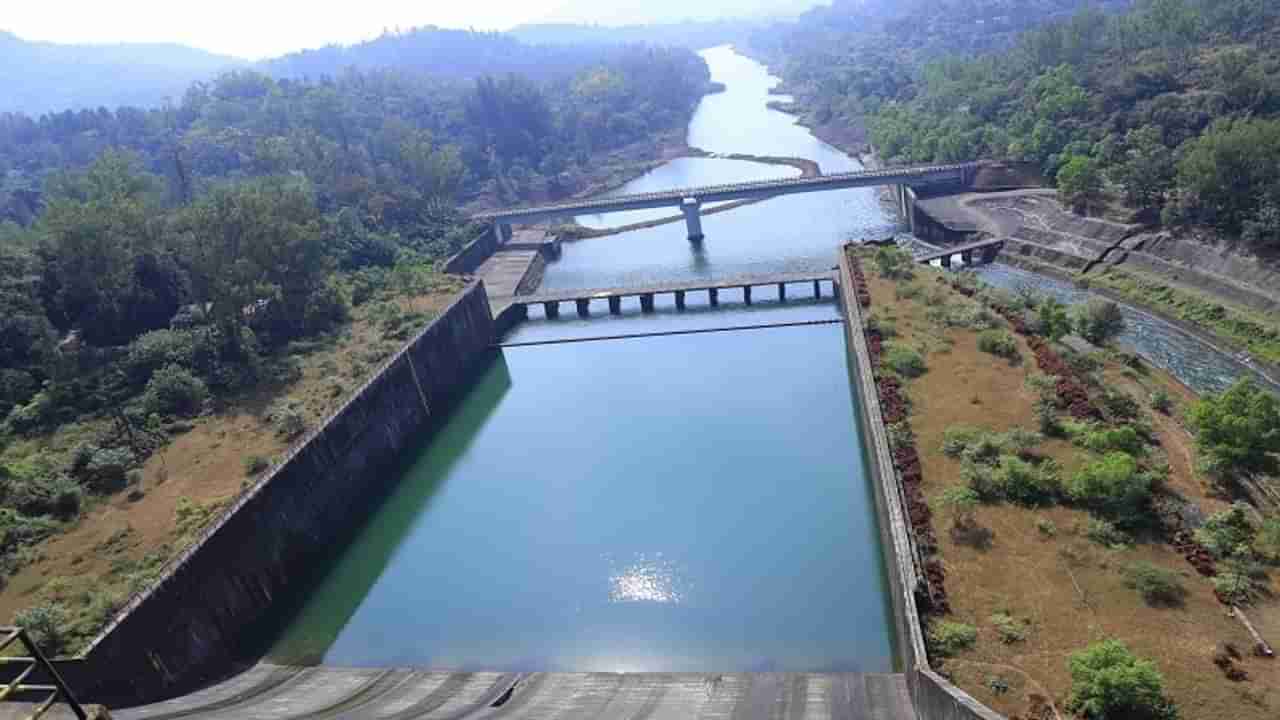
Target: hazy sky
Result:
[[262, 28]]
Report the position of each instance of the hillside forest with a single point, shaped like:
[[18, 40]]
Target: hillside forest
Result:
[[1173, 105]]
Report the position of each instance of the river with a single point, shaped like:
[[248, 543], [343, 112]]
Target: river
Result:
[[687, 503], [682, 503]]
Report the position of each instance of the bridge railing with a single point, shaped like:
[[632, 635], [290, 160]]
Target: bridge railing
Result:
[[26, 666]]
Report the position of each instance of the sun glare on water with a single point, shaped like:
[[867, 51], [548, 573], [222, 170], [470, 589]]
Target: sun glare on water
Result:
[[648, 579]]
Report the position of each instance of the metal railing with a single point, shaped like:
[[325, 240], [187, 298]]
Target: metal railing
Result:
[[34, 660]]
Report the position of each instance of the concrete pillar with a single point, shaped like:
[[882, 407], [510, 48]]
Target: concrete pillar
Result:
[[551, 309], [967, 257], [909, 204], [746, 293], [713, 296], [946, 261], [691, 207], [989, 253], [646, 302], [679, 299], [817, 288], [615, 305], [782, 292], [584, 307]]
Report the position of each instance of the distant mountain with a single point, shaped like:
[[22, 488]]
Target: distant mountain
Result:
[[649, 12], [694, 35], [40, 77], [443, 53]]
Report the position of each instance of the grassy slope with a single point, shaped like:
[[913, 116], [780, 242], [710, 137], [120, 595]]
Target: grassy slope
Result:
[[118, 544], [1069, 589]]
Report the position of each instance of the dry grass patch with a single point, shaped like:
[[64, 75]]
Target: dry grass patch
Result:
[[1040, 575], [120, 543]]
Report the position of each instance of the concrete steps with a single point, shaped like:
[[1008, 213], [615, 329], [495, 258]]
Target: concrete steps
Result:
[[273, 692]]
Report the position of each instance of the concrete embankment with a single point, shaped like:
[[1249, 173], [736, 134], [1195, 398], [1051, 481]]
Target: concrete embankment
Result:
[[932, 695], [192, 623]]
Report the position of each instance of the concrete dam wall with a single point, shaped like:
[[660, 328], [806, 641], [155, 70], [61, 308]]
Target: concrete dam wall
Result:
[[191, 624]]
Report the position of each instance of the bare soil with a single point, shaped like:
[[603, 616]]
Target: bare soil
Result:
[[1069, 590]]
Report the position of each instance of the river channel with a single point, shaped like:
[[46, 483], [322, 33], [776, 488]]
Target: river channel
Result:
[[682, 503]]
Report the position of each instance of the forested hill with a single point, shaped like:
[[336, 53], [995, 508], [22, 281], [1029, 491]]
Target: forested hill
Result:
[[38, 77], [442, 53], [1174, 105], [692, 35]]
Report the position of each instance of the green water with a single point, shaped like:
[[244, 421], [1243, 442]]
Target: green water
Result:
[[683, 503]]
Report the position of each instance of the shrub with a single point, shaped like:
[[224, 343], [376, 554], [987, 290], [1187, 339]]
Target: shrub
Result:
[[1113, 486], [957, 439], [108, 468], [960, 503], [1120, 404], [948, 638], [1238, 430], [289, 423], [1239, 581], [1268, 542], [1108, 682], [998, 343], [1046, 527], [1008, 628], [904, 361], [1228, 532], [47, 625], [886, 327], [894, 263], [56, 495], [1123, 439], [908, 292], [1161, 401], [17, 529], [1027, 483], [1158, 586], [174, 390], [1106, 533], [255, 464], [1098, 320]]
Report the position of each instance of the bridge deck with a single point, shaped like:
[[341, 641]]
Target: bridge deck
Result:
[[737, 281], [915, 176], [968, 247], [271, 692]]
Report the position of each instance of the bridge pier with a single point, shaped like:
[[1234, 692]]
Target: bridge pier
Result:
[[691, 207], [679, 299], [782, 292], [989, 253], [646, 302], [713, 296], [967, 257], [584, 307], [817, 288], [746, 294], [946, 261], [615, 304], [551, 310]]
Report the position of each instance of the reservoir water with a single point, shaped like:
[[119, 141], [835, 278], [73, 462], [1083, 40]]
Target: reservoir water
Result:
[[694, 502], [684, 503]]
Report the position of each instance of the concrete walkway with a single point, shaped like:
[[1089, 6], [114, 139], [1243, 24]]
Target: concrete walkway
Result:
[[272, 692]]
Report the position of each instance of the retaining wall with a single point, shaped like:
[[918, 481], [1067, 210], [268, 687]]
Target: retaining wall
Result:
[[474, 253], [191, 624], [933, 696]]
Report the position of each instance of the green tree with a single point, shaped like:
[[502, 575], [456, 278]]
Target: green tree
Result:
[[1054, 322], [1145, 168], [1238, 431], [1108, 682], [1079, 182], [1099, 321]]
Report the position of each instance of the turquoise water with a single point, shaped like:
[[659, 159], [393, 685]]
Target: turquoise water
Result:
[[663, 504]]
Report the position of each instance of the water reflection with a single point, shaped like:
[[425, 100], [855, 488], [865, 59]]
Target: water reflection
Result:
[[654, 579]]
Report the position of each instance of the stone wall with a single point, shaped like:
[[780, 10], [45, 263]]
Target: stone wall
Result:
[[191, 624], [475, 252], [933, 697]]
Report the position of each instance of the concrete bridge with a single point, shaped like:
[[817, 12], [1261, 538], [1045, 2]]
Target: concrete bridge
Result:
[[582, 298], [988, 249], [690, 200]]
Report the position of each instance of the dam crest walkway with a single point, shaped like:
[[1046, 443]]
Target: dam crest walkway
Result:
[[276, 692]]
